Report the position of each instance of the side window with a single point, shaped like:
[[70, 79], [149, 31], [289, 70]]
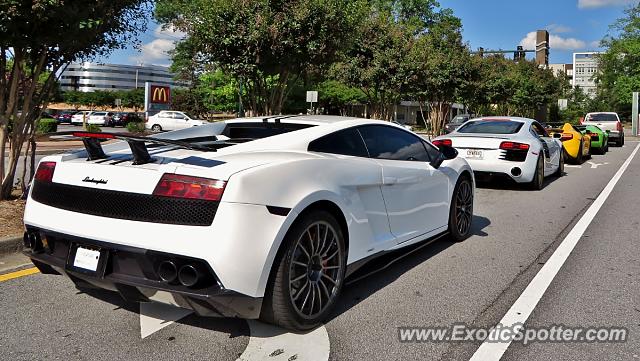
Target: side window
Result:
[[539, 130], [178, 116], [385, 142], [432, 151], [345, 142]]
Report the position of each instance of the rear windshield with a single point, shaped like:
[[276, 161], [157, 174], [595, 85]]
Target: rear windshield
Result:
[[602, 118], [260, 130], [491, 127]]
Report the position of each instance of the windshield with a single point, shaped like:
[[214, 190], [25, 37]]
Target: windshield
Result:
[[459, 119], [189, 115], [602, 117], [491, 127]]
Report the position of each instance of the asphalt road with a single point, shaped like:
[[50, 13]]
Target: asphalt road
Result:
[[474, 282]]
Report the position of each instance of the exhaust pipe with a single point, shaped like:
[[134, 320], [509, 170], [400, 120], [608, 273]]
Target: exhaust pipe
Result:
[[168, 271], [516, 172], [188, 275]]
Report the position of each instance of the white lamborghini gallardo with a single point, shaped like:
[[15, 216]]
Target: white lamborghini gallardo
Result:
[[253, 218]]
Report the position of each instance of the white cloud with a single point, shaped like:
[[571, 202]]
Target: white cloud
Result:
[[157, 51], [555, 42], [591, 4], [595, 44], [558, 28], [168, 32]]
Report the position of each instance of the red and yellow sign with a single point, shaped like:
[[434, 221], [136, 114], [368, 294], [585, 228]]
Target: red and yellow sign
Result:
[[160, 94]]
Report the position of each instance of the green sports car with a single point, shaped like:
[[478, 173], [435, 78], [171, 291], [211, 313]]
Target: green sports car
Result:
[[599, 138]]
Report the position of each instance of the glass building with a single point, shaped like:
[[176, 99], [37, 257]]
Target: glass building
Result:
[[88, 77]]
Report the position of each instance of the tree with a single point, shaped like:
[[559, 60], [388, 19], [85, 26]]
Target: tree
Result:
[[439, 67], [43, 37], [619, 66], [267, 44], [132, 98], [336, 97], [377, 63], [219, 91]]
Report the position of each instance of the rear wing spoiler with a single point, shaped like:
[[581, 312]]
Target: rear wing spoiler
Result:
[[137, 144]]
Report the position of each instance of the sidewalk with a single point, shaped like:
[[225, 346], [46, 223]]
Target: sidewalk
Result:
[[52, 147]]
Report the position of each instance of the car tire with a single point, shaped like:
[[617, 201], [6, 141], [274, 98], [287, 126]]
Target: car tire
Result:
[[580, 158], [621, 143], [156, 128], [560, 171], [306, 274], [538, 176], [461, 210]]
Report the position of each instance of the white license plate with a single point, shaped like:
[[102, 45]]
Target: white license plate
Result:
[[474, 154], [87, 259]]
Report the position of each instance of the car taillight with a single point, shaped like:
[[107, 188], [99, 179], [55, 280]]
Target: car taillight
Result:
[[440, 142], [514, 146], [594, 136], [566, 136], [184, 186], [619, 126], [45, 171]]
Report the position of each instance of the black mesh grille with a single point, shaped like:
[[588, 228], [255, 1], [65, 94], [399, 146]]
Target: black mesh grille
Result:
[[514, 155], [124, 205]]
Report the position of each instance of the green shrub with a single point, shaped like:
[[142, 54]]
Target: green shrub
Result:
[[135, 127], [47, 125], [93, 128]]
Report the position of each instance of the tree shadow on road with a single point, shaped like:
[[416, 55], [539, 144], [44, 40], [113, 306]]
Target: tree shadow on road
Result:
[[234, 327], [387, 269], [509, 184]]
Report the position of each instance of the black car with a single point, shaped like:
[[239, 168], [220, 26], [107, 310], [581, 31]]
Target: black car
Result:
[[122, 119], [456, 122]]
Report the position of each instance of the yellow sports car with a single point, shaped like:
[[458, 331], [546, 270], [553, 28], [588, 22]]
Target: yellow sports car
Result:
[[577, 146]]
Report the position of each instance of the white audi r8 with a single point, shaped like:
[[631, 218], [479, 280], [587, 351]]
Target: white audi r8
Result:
[[512, 147], [254, 218]]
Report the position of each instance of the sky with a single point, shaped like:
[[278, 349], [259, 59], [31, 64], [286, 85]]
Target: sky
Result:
[[574, 25]]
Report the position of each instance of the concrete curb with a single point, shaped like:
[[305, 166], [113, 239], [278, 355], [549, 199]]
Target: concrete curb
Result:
[[11, 245]]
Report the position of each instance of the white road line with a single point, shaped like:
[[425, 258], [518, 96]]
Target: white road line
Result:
[[276, 344], [596, 165], [525, 304], [155, 316], [266, 342]]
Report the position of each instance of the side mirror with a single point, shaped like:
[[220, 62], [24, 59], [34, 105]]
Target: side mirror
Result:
[[557, 135], [446, 153]]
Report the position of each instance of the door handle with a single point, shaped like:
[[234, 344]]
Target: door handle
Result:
[[389, 180]]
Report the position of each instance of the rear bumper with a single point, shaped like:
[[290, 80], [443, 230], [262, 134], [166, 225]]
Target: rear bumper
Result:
[[615, 135], [489, 170], [132, 272]]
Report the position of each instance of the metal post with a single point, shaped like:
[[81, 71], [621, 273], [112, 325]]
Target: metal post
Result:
[[634, 114]]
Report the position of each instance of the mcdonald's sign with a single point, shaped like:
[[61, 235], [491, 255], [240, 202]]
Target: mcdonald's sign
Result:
[[157, 97], [160, 94]]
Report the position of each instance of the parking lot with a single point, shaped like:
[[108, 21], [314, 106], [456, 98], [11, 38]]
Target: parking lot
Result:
[[475, 282]]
